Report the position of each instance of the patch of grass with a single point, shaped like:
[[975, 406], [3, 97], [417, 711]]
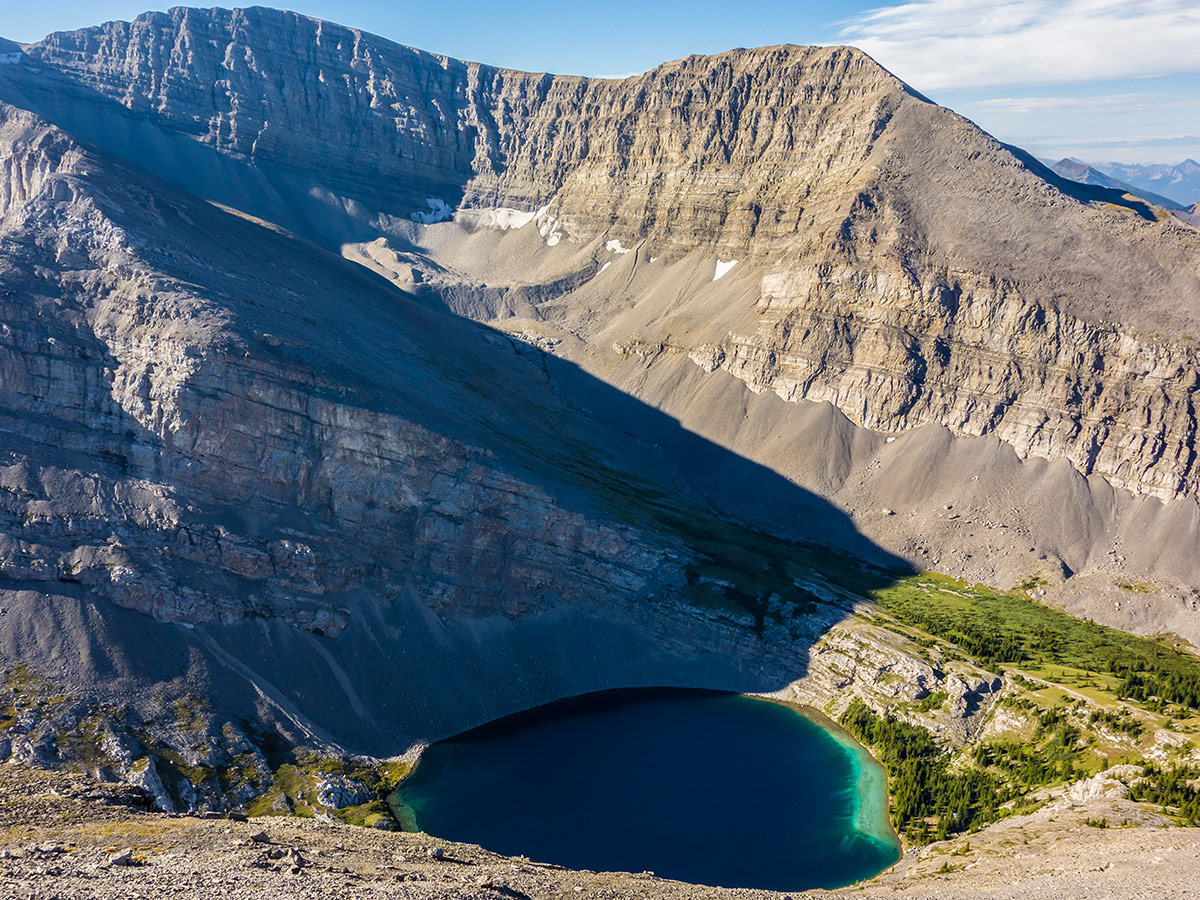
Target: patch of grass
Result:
[[191, 714], [294, 790], [289, 794], [1135, 587], [932, 701], [366, 815], [392, 772], [997, 628]]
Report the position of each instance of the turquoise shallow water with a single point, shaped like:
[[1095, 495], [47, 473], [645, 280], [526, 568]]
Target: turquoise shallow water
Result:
[[711, 788]]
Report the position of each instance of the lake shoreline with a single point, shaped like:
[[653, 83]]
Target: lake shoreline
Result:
[[872, 814], [865, 810]]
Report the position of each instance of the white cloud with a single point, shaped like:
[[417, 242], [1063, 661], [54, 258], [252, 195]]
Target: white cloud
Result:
[[1166, 140], [1105, 103], [949, 44]]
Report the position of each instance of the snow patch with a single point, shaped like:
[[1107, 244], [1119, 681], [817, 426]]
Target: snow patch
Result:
[[10, 59], [614, 246], [723, 268], [500, 217], [548, 226], [439, 211], [891, 440], [603, 267]]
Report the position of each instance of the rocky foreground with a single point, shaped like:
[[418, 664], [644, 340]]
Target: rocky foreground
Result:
[[65, 837]]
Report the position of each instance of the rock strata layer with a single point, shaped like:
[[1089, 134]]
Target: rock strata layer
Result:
[[911, 269], [155, 425], [244, 475]]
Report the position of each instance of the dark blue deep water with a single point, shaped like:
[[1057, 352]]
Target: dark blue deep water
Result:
[[710, 788]]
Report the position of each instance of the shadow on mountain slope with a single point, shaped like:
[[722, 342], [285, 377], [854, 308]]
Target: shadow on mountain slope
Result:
[[298, 201], [294, 326]]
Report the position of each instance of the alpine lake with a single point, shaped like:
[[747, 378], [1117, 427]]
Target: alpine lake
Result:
[[704, 787]]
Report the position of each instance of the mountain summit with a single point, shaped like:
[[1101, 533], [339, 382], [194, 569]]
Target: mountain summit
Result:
[[814, 161]]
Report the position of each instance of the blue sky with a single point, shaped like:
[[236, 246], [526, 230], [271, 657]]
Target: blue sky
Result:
[[1097, 79]]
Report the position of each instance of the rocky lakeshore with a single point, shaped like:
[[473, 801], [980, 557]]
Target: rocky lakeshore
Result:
[[63, 837]]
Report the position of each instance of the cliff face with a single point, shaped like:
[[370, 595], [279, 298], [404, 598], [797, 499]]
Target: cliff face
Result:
[[344, 504], [384, 124], [911, 269], [980, 358], [341, 512], [202, 422]]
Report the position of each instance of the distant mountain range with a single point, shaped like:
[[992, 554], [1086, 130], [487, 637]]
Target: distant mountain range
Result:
[[1092, 173], [1085, 173], [1181, 183]]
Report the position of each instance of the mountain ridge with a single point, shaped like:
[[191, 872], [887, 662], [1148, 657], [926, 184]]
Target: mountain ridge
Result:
[[1181, 182], [1191, 214], [760, 215], [895, 260], [478, 95]]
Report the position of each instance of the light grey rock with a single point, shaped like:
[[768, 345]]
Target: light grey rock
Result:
[[338, 792], [36, 751], [144, 773]]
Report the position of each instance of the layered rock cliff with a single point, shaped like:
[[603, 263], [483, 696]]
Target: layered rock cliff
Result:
[[243, 473], [379, 123], [911, 269], [352, 513], [143, 358]]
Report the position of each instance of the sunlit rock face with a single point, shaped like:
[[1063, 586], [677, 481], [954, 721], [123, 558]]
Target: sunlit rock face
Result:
[[911, 269], [239, 253]]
